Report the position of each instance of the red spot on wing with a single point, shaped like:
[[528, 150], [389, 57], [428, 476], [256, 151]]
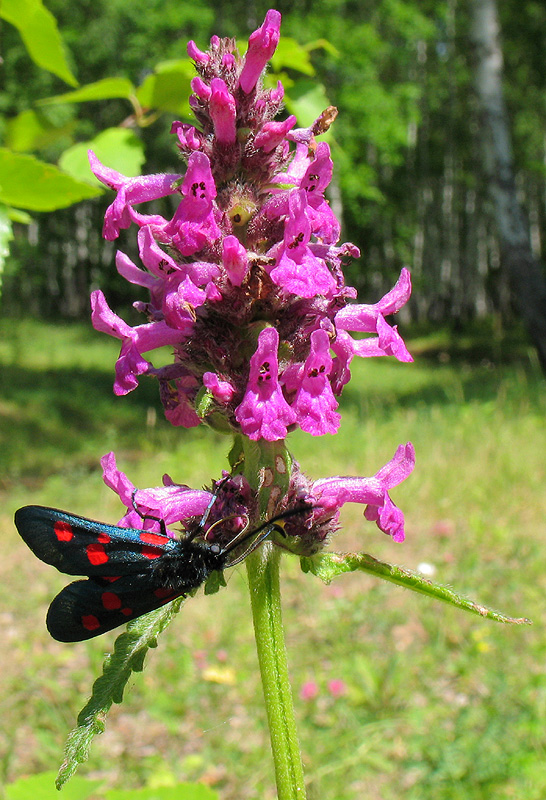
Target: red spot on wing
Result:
[[110, 578], [90, 622], [152, 538], [150, 552], [96, 554], [63, 531], [162, 593], [110, 601], [127, 611], [104, 538]]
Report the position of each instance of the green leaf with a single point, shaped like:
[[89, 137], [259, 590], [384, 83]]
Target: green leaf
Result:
[[182, 791], [290, 54], [307, 100], [105, 89], [118, 148], [26, 182], [129, 653], [30, 130], [215, 582], [6, 235], [168, 88], [42, 787], [38, 29], [327, 566]]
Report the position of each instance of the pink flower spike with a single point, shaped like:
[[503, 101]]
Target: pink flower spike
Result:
[[332, 493], [398, 295], [172, 502], [222, 391], [105, 320], [315, 403], [157, 260], [261, 46], [200, 88], [399, 467], [188, 137], [196, 54], [235, 260], [263, 412], [130, 191], [223, 112], [128, 270], [273, 133]]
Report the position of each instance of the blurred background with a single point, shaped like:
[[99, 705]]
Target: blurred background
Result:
[[440, 166]]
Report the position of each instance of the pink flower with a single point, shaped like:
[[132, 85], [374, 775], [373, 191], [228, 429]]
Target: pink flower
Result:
[[263, 412], [337, 687], [309, 691]]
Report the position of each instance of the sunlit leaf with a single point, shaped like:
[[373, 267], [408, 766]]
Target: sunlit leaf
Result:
[[129, 653], [42, 787], [118, 148], [30, 130], [168, 88], [182, 791], [26, 182], [38, 29], [105, 89], [327, 566], [307, 100]]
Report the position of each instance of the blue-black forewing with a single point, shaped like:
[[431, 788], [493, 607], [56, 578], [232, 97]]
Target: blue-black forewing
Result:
[[79, 546], [87, 608]]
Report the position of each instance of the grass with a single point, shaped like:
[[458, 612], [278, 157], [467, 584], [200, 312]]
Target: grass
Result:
[[438, 705]]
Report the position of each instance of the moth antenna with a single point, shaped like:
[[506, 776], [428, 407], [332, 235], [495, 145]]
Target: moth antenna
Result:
[[162, 526]]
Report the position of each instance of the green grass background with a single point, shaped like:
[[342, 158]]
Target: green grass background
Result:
[[439, 705]]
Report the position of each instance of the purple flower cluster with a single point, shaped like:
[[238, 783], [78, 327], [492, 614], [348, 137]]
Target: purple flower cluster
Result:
[[245, 279], [246, 286]]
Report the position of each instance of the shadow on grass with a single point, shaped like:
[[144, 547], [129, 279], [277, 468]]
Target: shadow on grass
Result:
[[65, 416]]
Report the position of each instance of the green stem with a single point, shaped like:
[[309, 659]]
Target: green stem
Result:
[[263, 578]]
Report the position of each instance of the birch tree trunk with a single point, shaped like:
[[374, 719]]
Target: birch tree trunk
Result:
[[527, 280]]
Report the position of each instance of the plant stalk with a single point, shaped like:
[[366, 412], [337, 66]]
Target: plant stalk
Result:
[[263, 578]]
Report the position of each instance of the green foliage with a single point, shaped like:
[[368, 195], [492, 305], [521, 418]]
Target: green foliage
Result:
[[40, 34], [328, 566], [130, 650], [118, 148], [26, 182], [444, 704], [6, 235], [42, 787]]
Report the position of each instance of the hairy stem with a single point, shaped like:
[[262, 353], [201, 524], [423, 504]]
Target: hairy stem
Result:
[[265, 598]]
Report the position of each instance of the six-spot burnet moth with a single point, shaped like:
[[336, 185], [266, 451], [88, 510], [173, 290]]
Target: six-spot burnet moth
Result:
[[129, 572]]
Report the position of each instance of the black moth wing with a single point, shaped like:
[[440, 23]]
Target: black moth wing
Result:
[[87, 608], [79, 546], [90, 607]]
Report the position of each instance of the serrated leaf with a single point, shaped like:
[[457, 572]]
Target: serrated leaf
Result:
[[118, 148], [42, 787], [41, 37], [128, 656], [182, 791], [168, 88], [6, 235], [26, 182], [307, 100], [215, 582], [105, 89], [328, 566], [30, 130]]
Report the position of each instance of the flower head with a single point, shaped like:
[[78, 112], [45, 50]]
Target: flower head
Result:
[[245, 279]]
